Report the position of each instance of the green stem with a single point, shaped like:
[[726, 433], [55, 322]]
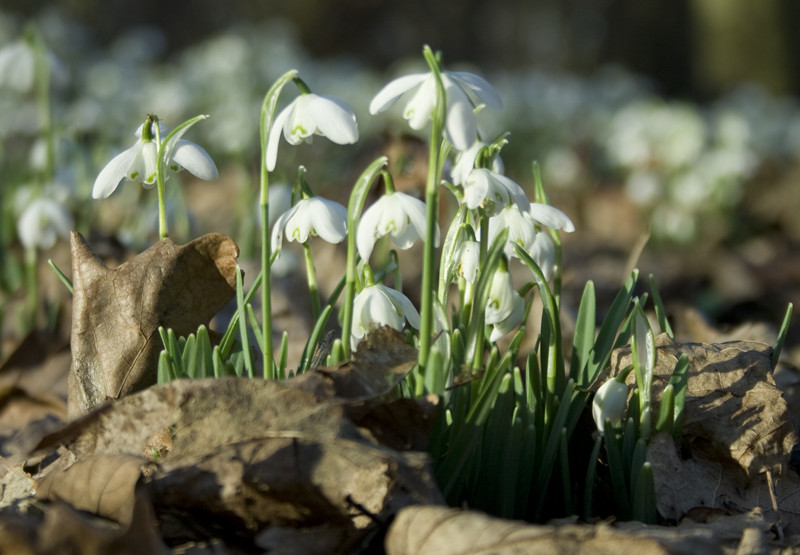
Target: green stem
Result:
[[149, 124], [268, 109], [477, 360], [313, 289], [432, 204], [354, 207]]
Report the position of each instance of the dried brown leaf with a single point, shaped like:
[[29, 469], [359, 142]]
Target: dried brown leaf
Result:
[[735, 415], [446, 531], [117, 312], [103, 485]]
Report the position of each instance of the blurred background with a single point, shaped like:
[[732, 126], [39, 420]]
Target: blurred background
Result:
[[669, 130]]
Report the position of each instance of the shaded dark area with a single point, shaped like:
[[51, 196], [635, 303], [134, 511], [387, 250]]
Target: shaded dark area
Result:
[[690, 48]]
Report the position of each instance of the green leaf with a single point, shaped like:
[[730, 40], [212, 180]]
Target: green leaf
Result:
[[661, 312], [644, 497], [609, 328], [243, 333], [205, 362], [678, 380], [583, 341], [666, 411]]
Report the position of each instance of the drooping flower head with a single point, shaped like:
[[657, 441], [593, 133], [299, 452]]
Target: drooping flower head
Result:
[[140, 162], [42, 222], [609, 403], [312, 114], [378, 305], [464, 91], [311, 216], [492, 192], [396, 214]]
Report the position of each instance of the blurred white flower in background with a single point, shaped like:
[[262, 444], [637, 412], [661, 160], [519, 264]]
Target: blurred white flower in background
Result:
[[42, 222]]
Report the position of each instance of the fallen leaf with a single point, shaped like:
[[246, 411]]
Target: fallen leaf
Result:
[[102, 485], [117, 312], [445, 531], [736, 427]]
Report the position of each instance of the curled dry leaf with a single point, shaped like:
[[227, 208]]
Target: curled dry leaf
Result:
[[117, 312], [736, 427]]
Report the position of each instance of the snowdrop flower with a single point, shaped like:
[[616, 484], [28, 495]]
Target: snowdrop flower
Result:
[[461, 127], [311, 114], [510, 322], [492, 192], [465, 163], [396, 214], [42, 222], [378, 305], [609, 403], [521, 229], [500, 302], [550, 216], [140, 162], [467, 260], [17, 66], [311, 216]]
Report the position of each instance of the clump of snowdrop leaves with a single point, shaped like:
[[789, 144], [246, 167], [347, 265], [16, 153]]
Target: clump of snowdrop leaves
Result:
[[464, 92], [140, 162]]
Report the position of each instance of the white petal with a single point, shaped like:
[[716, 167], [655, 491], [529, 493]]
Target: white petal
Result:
[[195, 159], [476, 188], [465, 163], [275, 136], [480, 87], [334, 119], [550, 216], [393, 90], [499, 303], [329, 219], [367, 229], [420, 106], [514, 191], [543, 252], [501, 329], [300, 124], [406, 306], [417, 212], [461, 127], [114, 173], [278, 228]]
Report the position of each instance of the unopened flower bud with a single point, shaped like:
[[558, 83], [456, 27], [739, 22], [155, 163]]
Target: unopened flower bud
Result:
[[609, 403]]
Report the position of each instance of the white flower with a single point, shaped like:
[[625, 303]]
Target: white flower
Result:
[[398, 215], [311, 114], [550, 216], [467, 259], [465, 163], [492, 192], [140, 162], [378, 305], [311, 216], [17, 66], [500, 301], [521, 229], [510, 322], [461, 128], [42, 222], [609, 403]]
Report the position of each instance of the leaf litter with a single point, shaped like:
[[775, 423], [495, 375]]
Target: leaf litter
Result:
[[331, 461]]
